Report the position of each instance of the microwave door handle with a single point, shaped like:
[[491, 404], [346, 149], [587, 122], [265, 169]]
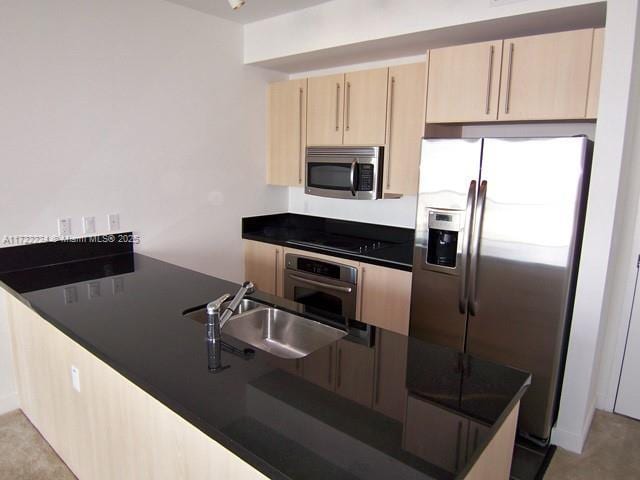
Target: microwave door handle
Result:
[[352, 176], [321, 284]]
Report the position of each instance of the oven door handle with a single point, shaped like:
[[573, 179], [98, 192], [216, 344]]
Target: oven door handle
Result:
[[321, 284], [352, 176]]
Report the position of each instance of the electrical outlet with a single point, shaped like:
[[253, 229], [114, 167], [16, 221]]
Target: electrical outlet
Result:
[[93, 289], [118, 285], [64, 227], [75, 378], [70, 295], [89, 225], [113, 220]]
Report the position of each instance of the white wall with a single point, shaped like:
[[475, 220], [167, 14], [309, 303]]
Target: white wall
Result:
[[143, 108], [349, 22]]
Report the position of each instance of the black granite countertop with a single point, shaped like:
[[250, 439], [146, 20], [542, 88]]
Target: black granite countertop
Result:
[[281, 423], [386, 246]]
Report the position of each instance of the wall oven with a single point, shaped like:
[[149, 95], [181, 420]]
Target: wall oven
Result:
[[327, 290], [344, 172]]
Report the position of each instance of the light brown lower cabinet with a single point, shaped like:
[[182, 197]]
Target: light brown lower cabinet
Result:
[[320, 367], [354, 374], [264, 266], [111, 428], [385, 297]]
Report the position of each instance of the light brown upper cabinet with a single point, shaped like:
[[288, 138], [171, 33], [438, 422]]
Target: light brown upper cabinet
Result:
[[365, 107], [405, 127], [286, 131], [464, 83], [325, 106], [385, 297], [263, 265], [594, 74], [546, 77], [348, 109]]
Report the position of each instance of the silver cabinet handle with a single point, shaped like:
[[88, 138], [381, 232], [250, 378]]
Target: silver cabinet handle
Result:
[[339, 367], [507, 99], [321, 284], [348, 106], [352, 176], [475, 252], [388, 159], [275, 274], [378, 347], [362, 270], [489, 79], [300, 138], [337, 106], [463, 298]]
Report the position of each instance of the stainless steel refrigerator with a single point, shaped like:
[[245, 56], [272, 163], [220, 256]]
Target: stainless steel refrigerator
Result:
[[498, 233]]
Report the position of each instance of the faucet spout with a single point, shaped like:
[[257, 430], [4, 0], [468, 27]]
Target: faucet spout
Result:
[[246, 289]]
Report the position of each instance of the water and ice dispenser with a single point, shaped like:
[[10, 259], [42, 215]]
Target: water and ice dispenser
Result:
[[443, 238]]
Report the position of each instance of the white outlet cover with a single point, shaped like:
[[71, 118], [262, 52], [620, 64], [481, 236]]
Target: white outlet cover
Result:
[[113, 220], [89, 225], [64, 227], [93, 289], [75, 378]]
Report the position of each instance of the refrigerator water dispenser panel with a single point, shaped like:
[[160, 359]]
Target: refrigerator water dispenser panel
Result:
[[442, 242]]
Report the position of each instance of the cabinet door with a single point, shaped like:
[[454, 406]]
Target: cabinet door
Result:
[[263, 265], [464, 83], [594, 74], [325, 104], [405, 127], [389, 391], [354, 374], [545, 77], [287, 116], [319, 367], [365, 107], [386, 297]]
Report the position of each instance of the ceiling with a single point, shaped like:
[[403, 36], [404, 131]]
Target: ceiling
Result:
[[253, 10]]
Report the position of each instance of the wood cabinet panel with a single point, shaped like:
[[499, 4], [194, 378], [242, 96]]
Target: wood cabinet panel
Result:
[[365, 107], [286, 132], [406, 96], [354, 374], [263, 265], [385, 297], [320, 367], [464, 83], [545, 77], [325, 103], [595, 73]]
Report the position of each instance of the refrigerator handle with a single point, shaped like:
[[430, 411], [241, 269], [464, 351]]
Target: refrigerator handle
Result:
[[475, 250], [463, 299]]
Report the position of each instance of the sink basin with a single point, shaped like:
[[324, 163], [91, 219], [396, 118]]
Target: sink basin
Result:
[[281, 333]]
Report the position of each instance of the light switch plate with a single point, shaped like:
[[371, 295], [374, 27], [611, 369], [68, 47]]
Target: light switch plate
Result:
[[64, 227], [89, 225], [113, 220], [75, 378]]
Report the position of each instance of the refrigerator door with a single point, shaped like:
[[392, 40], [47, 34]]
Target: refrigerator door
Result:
[[522, 262], [449, 171]]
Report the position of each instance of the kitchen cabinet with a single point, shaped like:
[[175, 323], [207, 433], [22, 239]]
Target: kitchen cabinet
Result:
[[325, 105], [385, 297], [110, 428], [407, 89], [545, 77], [319, 367], [354, 372], [595, 73], [263, 265], [390, 369], [464, 83], [347, 109], [365, 107], [287, 132]]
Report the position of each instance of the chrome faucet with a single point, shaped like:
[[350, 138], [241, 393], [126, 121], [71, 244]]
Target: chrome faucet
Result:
[[216, 318]]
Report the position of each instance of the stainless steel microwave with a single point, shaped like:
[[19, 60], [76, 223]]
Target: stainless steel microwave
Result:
[[344, 172]]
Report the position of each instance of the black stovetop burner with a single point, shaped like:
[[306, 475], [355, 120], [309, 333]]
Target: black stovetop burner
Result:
[[341, 243]]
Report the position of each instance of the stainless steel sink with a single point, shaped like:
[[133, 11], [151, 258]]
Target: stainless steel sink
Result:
[[280, 333]]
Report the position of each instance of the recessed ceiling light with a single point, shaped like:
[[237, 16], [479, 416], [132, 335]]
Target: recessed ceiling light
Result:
[[236, 4]]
